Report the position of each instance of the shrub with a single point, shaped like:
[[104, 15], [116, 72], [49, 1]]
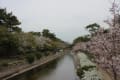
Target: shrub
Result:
[[46, 53], [30, 58], [5, 64], [8, 43], [38, 55], [80, 73], [87, 68]]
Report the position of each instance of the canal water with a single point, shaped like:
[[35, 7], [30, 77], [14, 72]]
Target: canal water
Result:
[[61, 69]]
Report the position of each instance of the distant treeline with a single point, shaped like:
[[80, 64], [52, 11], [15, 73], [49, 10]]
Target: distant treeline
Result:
[[14, 42]]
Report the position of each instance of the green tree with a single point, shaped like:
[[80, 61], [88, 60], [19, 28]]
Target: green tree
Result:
[[27, 42], [47, 33], [93, 28], [81, 39], [8, 43], [36, 33], [9, 20]]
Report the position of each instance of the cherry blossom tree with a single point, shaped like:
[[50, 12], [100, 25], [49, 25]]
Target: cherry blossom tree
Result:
[[105, 45]]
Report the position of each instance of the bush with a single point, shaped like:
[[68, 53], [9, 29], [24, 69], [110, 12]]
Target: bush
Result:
[[38, 55], [87, 68], [46, 53], [30, 58], [80, 73], [8, 43], [5, 64]]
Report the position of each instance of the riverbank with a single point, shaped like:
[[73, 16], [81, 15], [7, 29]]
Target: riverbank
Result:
[[59, 69], [104, 74], [88, 70], [14, 71]]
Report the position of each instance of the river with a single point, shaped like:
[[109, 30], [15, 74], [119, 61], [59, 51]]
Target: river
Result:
[[61, 69]]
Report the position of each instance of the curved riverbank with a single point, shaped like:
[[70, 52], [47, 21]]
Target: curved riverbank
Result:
[[59, 69], [24, 68]]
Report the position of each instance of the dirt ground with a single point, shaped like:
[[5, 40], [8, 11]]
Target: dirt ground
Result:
[[104, 74]]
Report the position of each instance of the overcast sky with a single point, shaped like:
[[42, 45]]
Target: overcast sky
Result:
[[66, 18]]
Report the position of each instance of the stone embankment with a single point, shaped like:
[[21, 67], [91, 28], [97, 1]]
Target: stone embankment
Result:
[[26, 67]]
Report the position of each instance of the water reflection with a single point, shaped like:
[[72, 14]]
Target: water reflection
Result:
[[61, 69]]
